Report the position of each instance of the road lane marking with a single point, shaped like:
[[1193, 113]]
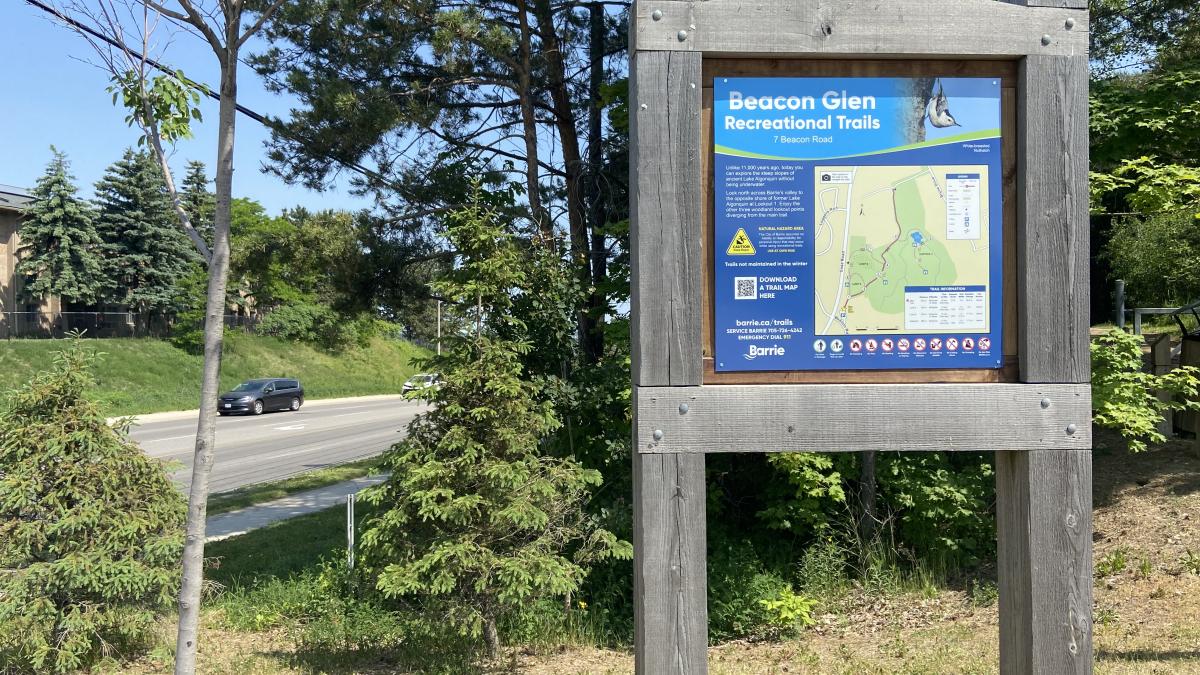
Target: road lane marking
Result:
[[169, 438], [290, 427]]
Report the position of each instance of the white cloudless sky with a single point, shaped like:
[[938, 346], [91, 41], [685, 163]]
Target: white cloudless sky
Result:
[[51, 95]]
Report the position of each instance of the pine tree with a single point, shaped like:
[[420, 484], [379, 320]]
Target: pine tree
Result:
[[475, 521], [60, 248], [91, 528], [199, 203], [145, 251]]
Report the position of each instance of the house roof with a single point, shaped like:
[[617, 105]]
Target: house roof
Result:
[[14, 198]]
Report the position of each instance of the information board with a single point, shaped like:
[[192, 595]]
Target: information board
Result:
[[857, 223]]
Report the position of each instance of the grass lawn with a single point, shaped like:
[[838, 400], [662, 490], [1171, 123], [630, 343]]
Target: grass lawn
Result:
[[145, 375], [309, 480], [1147, 599]]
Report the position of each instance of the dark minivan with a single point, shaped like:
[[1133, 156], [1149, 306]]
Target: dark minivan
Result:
[[258, 396]]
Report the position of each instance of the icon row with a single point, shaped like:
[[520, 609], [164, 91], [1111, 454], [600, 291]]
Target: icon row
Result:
[[903, 345]]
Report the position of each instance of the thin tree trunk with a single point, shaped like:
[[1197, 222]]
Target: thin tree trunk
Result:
[[529, 130], [866, 498], [564, 120], [599, 252], [206, 430], [491, 636], [151, 132]]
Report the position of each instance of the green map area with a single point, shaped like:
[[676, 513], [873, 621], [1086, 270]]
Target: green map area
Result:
[[880, 229]]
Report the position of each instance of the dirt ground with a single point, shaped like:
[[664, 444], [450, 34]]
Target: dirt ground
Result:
[[1147, 603], [1147, 613]]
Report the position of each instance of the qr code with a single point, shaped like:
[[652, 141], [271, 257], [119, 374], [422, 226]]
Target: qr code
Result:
[[745, 288]]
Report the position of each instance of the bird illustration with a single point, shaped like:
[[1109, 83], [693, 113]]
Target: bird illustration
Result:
[[938, 110]]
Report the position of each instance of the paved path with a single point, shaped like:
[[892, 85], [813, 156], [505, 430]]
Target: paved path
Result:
[[249, 518], [255, 449]]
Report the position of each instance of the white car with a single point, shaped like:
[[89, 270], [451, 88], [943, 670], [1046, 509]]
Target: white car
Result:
[[421, 382]]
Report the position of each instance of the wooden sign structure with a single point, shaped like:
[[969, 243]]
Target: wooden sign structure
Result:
[[1034, 412]]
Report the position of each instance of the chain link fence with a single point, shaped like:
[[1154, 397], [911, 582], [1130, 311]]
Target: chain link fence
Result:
[[48, 324]]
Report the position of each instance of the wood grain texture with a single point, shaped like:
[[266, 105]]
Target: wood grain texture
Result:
[[849, 417], [670, 575], [1007, 373], [665, 218], [1064, 4], [857, 27], [1044, 525], [1053, 232]]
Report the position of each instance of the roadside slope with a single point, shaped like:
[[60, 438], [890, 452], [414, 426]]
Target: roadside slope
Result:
[[145, 375]]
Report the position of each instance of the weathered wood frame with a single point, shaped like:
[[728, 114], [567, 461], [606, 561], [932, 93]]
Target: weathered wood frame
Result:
[[1039, 428]]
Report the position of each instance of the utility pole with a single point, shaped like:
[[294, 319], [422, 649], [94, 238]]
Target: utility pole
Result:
[[439, 328]]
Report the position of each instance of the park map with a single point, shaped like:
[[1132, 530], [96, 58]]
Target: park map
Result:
[[891, 241]]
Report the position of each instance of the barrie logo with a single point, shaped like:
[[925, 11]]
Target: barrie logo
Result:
[[756, 351]]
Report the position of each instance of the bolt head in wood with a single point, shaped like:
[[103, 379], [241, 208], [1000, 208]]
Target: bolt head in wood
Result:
[[1071, 428], [683, 408], [657, 15], [682, 35], [1045, 403], [1069, 23], [1045, 40], [658, 434]]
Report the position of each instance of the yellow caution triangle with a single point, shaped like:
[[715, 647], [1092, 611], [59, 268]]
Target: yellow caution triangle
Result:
[[741, 244]]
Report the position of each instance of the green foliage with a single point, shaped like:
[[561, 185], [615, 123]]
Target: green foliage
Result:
[[145, 252], [738, 585], [941, 503], [475, 520], [1158, 257], [60, 248], [1190, 562], [197, 201], [1124, 397], [824, 566], [191, 300], [1113, 563], [167, 101], [90, 528], [789, 612], [1147, 185], [811, 494]]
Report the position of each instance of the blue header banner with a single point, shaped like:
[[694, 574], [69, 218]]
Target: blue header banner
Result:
[[857, 223]]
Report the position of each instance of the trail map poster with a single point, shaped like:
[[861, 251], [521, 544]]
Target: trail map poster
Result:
[[857, 223]]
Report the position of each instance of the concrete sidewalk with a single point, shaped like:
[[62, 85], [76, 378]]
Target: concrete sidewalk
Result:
[[250, 518]]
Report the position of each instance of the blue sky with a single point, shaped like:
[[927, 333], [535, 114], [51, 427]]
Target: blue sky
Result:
[[50, 95]]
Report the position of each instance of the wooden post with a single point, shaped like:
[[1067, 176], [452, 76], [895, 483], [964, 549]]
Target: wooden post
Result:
[[1044, 498], [670, 579], [1041, 425]]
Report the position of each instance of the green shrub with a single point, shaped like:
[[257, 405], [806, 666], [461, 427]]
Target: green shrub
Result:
[[824, 567], [301, 322], [1158, 256], [941, 503], [90, 528], [789, 612], [1124, 398], [738, 583]]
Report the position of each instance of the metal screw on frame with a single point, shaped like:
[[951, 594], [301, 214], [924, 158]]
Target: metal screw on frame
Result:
[[657, 15], [682, 35]]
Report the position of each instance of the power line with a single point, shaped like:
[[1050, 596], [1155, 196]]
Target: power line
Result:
[[207, 91]]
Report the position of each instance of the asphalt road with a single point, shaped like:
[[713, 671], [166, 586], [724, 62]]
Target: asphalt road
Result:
[[253, 449]]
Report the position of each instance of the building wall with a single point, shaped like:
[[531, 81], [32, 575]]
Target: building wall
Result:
[[9, 221], [11, 284]]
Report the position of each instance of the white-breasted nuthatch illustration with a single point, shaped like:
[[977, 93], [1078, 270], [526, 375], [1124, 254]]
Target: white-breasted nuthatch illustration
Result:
[[938, 110]]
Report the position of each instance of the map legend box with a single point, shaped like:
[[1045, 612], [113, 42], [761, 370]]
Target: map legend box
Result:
[[962, 206]]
